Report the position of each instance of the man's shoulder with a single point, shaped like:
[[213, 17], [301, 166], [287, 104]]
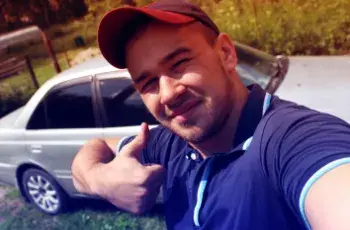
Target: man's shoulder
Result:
[[285, 115]]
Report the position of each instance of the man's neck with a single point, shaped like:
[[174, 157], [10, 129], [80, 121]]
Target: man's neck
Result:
[[223, 140]]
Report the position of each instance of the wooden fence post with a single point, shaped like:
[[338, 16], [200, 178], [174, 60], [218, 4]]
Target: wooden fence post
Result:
[[51, 52], [31, 72]]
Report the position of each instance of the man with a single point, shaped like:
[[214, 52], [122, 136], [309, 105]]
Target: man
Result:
[[226, 156]]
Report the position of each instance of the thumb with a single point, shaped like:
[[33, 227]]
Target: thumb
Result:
[[134, 148]]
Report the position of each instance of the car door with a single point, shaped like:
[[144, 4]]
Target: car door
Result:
[[122, 109], [64, 120]]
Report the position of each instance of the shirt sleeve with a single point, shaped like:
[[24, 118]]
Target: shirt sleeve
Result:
[[300, 145]]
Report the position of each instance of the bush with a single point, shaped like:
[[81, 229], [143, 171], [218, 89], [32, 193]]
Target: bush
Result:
[[291, 27]]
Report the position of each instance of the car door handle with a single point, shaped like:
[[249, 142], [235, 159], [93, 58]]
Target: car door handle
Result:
[[36, 149]]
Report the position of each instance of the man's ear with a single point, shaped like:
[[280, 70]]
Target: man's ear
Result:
[[227, 52]]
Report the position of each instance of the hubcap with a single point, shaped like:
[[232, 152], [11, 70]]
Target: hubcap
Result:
[[43, 193]]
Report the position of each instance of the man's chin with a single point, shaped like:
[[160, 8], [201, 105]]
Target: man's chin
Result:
[[190, 133]]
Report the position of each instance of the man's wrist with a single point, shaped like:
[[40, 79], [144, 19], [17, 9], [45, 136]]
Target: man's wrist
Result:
[[94, 179]]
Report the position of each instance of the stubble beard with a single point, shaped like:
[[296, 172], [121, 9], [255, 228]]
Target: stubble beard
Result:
[[198, 130], [216, 123], [205, 130]]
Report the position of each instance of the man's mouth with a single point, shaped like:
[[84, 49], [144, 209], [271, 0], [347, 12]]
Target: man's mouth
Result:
[[184, 110]]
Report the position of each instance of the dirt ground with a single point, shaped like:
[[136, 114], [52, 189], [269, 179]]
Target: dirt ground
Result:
[[9, 201], [3, 192]]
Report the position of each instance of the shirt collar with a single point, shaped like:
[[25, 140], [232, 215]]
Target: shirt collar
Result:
[[251, 114]]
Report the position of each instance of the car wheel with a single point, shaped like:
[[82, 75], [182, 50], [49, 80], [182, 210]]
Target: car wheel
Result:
[[44, 192]]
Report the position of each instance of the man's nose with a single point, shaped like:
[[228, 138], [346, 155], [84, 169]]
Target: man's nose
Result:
[[170, 89]]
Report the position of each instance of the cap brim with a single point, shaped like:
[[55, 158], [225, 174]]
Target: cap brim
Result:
[[111, 36]]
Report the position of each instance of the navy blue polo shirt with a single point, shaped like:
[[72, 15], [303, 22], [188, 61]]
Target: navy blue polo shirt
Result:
[[263, 181]]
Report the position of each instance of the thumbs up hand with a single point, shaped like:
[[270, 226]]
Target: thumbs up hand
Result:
[[123, 181]]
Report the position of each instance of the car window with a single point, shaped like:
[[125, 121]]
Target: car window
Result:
[[38, 119], [65, 107], [123, 104]]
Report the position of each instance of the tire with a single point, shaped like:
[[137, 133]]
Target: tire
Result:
[[44, 192]]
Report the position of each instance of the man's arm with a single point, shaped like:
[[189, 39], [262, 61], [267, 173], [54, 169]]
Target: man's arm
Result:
[[121, 179], [306, 156], [327, 203], [113, 143]]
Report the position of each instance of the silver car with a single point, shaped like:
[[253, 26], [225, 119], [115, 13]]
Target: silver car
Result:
[[92, 100]]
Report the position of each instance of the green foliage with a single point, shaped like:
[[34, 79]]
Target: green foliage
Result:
[[143, 2], [17, 90], [291, 27], [19, 13]]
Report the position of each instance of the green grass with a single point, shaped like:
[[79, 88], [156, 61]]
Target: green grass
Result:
[[18, 216], [12, 194], [29, 218]]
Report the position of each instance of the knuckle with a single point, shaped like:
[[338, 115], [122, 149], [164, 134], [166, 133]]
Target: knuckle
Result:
[[93, 145], [136, 210], [78, 185], [95, 190], [142, 179], [94, 142], [159, 173], [142, 193], [75, 168]]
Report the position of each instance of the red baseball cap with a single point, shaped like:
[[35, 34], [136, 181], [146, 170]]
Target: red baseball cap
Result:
[[119, 25]]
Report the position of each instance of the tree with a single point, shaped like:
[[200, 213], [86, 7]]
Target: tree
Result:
[[44, 13]]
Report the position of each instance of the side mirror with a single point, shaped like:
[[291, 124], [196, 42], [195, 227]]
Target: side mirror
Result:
[[278, 77], [260, 67]]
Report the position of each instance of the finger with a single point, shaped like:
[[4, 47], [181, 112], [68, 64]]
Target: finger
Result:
[[78, 186], [149, 201], [157, 174], [134, 148]]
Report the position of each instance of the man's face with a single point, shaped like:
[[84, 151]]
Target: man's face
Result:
[[181, 79]]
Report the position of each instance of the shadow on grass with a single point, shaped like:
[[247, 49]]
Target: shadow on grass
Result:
[[102, 206], [83, 214]]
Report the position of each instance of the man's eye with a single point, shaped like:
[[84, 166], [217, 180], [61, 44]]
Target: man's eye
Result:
[[179, 66], [149, 84]]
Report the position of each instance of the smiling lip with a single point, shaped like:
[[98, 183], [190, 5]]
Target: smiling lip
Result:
[[185, 108]]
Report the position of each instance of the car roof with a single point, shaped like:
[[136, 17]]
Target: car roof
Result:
[[92, 66]]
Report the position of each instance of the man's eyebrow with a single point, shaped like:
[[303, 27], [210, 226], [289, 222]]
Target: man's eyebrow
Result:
[[166, 59], [173, 54], [142, 77]]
